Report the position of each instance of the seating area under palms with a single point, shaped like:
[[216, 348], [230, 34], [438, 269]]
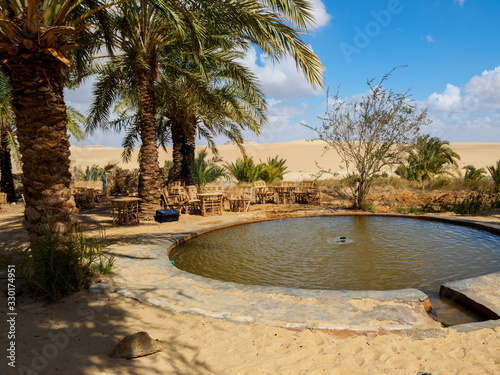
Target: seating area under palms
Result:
[[211, 200], [207, 200]]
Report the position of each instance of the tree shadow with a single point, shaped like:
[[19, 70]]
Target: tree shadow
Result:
[[76, 336]]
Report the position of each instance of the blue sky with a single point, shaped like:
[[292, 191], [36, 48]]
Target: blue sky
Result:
[[451, 49]]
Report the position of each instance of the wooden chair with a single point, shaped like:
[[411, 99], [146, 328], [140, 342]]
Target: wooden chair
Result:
[[175, 184], [313, 195], [286, 192], [193, 204], [3, 201], [263, 194], [308, 192], [175, 202], [211, 203], [240, 199], [84, 198]]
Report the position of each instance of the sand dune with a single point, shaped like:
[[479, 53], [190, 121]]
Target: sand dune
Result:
[[301, 156]]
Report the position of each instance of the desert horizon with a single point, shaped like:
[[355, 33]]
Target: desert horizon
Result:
[[301, 165]]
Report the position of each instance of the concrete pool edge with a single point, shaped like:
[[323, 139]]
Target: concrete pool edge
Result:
[[341, 312]]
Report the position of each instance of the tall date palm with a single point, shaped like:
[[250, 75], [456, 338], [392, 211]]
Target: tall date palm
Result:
[[39, 41], [146, 40]]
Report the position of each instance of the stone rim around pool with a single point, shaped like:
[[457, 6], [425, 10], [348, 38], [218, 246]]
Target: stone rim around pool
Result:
[[341, 312]]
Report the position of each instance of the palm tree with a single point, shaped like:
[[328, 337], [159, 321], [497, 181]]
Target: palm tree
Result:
[[194, 115], [132, 75], [39, 41], [245, 170], [495, 175], [474, 174], [274, 169], [205, 171], [155, 43], [431, 156], [229, 101], [9, 146]]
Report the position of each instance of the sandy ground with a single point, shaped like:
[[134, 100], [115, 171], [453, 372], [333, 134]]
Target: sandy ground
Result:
[[76, 335], [301, 164]]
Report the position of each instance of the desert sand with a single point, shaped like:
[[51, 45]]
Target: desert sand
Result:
[[301, 156], [76, 335]]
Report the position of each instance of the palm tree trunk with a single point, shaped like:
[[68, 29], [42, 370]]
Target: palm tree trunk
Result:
[[178, 154], [149, 169], [183, 152], [190, 147], [41, 119], [7, 180]]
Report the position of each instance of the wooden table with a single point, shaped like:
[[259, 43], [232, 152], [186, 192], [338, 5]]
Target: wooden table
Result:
[[211, 203], [285, 194], [125, 210], [301, 196], [264, 194]]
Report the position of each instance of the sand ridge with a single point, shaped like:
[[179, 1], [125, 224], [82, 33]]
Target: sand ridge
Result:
[[301, 165]]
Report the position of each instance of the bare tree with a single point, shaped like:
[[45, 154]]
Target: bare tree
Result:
[[370, 132]]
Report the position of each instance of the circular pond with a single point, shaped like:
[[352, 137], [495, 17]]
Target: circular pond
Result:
[[377, 253]]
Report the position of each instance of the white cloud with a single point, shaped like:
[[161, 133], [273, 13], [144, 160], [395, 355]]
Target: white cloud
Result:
[[430, 38], [460, 2], [279, 80], [485, 89], [449, 100], [468, 114], [282, 123], [480, 93], [320, 14]]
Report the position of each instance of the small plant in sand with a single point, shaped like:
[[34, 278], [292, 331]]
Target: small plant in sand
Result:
[[57, 266]]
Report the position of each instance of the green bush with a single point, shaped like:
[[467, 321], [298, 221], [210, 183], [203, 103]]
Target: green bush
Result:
[[495, 175], [245, 170], [58, 266], [439, 183], [470, 205], [205, 171], [369, 206]]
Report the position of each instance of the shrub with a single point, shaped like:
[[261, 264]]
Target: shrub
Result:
[[205, 171], [431, 156], [245, 170], [369, 206], [495, 175], [58, 266], [472, 204], [474, 174], [273, 170]]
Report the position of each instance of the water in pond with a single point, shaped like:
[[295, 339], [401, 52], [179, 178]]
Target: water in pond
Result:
[[377, 253]]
